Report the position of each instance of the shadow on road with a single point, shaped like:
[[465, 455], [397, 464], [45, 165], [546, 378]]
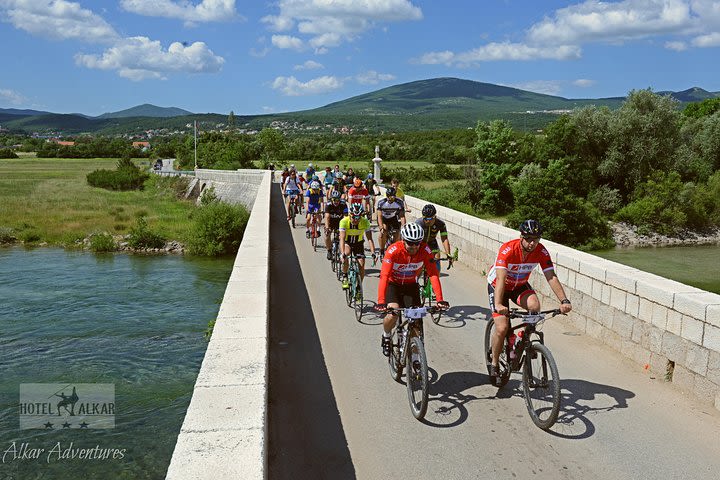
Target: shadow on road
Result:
[[306, 437]]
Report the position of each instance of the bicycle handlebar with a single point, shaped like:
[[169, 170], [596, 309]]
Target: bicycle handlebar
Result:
[[517, 313]]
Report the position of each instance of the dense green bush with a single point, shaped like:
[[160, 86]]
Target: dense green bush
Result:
[[544, 194], [217, 229], [102, 242], [142, 237], [7, 153], [125, 178], [489, 190], [7, 235]]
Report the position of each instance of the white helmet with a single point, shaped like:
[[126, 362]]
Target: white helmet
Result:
[[315, 186], [411, 232], [310, 165]]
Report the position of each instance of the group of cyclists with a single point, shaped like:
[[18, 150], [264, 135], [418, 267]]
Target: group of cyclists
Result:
[[347, 205]]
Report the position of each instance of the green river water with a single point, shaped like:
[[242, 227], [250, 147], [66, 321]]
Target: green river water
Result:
[[135, 322]]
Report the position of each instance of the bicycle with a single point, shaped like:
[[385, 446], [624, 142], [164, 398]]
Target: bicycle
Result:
[[335, 263], [293, 208], [408, 350], [314, 229], [354, 294], [540, 379], [426, 292], [389, 240]]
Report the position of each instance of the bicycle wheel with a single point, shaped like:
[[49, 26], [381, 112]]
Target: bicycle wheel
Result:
[[503, 360], [313, 233], [358, 305], [395, 360], [348, 291], [416, 377], [541, 385]]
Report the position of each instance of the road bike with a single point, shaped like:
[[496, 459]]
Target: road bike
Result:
[[389, 240], [524, 349], [335, 262], [293, 208], [427, 295], [314, 229], [408, 353], [354, 294]]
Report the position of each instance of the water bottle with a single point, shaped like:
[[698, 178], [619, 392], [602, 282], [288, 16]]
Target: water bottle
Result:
[[511, 344]]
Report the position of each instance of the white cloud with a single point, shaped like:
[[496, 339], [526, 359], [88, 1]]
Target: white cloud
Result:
[[677, 46], [331, 23], [548, 87], [138, 58], [500, 51], [58, 19], [292, 87], [583, 82], [205, 11], [287, 42], [371, 77], [12, 97], [309, 65], [709, 40]]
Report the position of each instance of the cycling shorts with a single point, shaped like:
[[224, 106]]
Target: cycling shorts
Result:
[[406, 295], [515, 295], [434, 246], [313, 208], [334, 223], [391, 223], [292, 192], [357, 248]]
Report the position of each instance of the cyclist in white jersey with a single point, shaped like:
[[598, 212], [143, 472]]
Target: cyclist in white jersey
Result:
[[291, 187]]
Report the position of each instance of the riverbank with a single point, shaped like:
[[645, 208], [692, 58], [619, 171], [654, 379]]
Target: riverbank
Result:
[[626, 235]]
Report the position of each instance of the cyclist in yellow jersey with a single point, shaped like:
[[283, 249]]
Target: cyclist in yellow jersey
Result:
[[352, 229]]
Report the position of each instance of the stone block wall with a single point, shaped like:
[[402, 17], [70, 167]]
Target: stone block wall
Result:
[[668, 327]]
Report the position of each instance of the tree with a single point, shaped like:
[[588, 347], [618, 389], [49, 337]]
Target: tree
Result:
[[272, 143], [231, 119], [495, 142]]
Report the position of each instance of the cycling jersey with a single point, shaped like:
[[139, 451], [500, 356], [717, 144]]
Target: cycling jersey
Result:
[[329, 179], [400, 268], [357, 194], [430, 233], [291, 184], [370, 185], [337, 212], [314, 199], [390, 210], [354, 233], [510, 258]]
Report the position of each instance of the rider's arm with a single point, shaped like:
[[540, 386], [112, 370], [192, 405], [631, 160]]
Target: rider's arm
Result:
[[557, 287], [446, 244], [368, 235], [500, 276], [342, 240], [433, 274], [385, 270]]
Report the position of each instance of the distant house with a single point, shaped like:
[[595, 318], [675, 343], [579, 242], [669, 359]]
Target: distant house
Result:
[[64, 143], [142, 145]]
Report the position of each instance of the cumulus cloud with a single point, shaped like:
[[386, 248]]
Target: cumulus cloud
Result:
[[292, 87], [205, 11], [371, 77], [677, 46], [139, 58], [12, 97], [287, 42], [500, 51], [330, 23], [309, 65], [58, 19], [583, 82], [709, 40]]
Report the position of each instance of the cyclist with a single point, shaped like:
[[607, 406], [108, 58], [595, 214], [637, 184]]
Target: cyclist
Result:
[[352, 229], [398, 278], [390, 216], [431, 226], [291, 187], [309, 171], [358, 194], [285, 174], [395, 183], [370, 184], [313, 203], [508, 280], [335, 211], [328, 180]]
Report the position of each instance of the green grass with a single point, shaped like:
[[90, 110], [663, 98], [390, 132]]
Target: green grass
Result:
[[51, 198]]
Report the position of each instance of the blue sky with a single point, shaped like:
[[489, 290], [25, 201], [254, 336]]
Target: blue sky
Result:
[[255, 57]]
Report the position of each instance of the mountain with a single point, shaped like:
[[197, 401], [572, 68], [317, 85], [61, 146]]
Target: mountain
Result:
[[693, 94], [147, 110], [24, 113]]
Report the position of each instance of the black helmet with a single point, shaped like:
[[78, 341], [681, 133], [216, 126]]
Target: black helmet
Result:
[[390, 192], [531, 227], [429, 210]]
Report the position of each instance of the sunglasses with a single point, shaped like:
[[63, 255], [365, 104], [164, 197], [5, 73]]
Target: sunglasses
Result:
[[531, 239], [356, 217], [427, 219], [411, 244]]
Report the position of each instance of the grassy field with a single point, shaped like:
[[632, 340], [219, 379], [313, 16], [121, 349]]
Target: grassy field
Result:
[[49, 200]]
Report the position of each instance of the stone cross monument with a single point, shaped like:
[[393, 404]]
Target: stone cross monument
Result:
[[377, 160]]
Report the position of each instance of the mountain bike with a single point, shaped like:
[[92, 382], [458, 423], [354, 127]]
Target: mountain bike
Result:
[[427, 295], [408, 352], [524, 348]]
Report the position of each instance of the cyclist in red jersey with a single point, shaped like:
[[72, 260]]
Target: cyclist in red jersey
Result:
[[508, 280], [401, 265], [359, 194]]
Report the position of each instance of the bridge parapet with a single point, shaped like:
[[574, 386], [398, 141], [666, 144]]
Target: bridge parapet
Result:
[[671, 328], [224, 431]]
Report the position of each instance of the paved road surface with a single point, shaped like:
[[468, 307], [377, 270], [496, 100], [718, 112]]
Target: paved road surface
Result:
[[336, 413]]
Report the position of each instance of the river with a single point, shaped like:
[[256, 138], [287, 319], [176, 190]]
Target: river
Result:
[[135, 322], [698, 266]]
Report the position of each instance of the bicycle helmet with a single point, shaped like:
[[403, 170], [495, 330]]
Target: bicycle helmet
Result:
[[411, 232], [315, 185], [309, 165], [370, 176], [335, 194], [285, 169], [531, 227], [390, 192], [315, 178], [429, 211], [356, 210], [357, 182]]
